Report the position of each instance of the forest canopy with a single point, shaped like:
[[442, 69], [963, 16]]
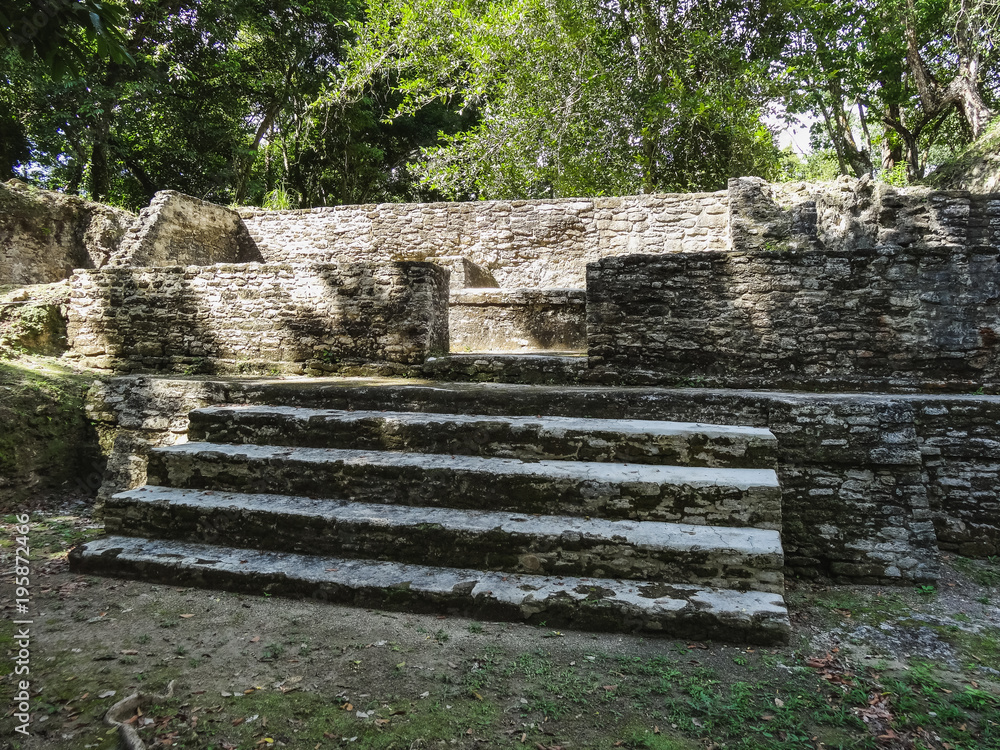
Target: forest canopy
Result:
[[324, 102]]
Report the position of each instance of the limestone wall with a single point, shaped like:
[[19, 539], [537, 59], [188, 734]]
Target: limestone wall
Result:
[[255, 318], [849, 214], [45, 235], [885, 319], [513, 320], [960, 449], [536, 243], [178, 230]]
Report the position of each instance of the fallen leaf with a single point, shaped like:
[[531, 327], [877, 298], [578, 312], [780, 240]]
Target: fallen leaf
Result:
[[187, 616], [237, 722], [779, 703], [129, 652], [255, 639], [106, 694]]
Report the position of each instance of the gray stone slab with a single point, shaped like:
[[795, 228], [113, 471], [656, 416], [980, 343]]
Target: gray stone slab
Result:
[[743, 558], [678, 494], [584, 603], [694, 476], [523, 437]]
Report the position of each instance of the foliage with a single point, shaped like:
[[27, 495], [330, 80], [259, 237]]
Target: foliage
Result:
[[322, 102], [576, 97], [219, 104], [888, 81], [63, 34], [896, 176]]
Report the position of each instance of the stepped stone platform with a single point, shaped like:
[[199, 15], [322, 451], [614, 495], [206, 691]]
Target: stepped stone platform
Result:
[[658, 526]]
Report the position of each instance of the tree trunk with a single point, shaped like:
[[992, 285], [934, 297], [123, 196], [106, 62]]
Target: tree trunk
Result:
[[860, 163], [963, 90], [892, 154], [99, 181], [838, 147], [910, 147], [138, 172]]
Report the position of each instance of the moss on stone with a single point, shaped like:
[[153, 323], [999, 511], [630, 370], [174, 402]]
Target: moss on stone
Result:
[[47, 441]]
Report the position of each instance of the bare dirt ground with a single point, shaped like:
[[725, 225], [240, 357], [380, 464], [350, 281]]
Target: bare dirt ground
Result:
[[866, 667]]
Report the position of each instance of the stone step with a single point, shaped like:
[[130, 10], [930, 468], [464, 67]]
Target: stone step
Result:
[[740, 558], [525, 438], [537, 366], [589, 604], [703, 405], [689, 494]]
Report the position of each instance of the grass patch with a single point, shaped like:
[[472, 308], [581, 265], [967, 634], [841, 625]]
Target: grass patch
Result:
[[984, 572], [304, 720]]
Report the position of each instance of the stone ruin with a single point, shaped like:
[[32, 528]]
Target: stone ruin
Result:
[[633, 413]]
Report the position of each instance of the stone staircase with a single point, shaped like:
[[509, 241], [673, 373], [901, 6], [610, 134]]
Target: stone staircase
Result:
[[603, 524]]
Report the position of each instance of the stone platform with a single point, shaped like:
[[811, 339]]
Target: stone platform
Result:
[[660, 526]]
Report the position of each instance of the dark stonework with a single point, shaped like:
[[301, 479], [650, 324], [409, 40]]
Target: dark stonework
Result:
[[882, 319], [263, 319]]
